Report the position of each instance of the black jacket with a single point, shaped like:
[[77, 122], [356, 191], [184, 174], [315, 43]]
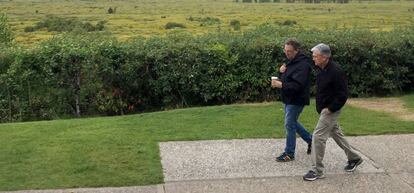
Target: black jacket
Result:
[[296, 82], [332, 91]]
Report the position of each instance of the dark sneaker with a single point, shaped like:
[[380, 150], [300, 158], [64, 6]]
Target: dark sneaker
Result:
[[312, 176], [352, 165], [309, 151], [285, 157]]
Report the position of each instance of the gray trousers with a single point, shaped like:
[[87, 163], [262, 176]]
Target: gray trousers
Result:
[[328, 126]]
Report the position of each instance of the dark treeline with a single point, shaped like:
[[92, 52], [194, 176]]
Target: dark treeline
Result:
[[88, 75]]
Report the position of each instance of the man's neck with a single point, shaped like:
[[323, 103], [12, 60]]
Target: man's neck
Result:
[[323, 65], [293, 57]]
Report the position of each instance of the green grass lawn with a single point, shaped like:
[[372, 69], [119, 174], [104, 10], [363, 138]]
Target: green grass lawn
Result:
[[409, 101], [123, 151]]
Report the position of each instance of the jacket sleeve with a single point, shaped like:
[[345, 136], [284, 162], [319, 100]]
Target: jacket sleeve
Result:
[[340, 92], [297, 82]]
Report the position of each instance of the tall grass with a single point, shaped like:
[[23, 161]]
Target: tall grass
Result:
[[148, 18]]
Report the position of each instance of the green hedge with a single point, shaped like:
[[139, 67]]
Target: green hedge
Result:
[[87, 75]]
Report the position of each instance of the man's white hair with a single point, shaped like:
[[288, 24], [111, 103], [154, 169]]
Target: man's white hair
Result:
[[323, 49]]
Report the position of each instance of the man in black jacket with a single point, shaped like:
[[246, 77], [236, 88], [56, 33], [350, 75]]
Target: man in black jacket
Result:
[[294, 85], [331, 95]]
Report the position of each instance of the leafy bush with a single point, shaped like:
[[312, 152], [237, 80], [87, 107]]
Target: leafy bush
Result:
[[84, 74], [289, 22], [6, 36], [205, 21], [172, 25], [29, 29], [66, 25], [111, 11], [235, 24]]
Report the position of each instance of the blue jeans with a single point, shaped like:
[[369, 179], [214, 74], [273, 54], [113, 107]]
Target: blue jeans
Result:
[[292, 127]]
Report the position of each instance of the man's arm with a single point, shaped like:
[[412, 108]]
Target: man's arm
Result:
[[340, 92], [300, 78]]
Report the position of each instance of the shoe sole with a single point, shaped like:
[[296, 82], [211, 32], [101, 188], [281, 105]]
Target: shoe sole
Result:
[[310, 179], [356, 165], [285, 160], [313, 179]]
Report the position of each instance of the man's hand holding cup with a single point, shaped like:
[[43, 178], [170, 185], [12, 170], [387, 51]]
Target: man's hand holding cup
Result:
[[276, 83]]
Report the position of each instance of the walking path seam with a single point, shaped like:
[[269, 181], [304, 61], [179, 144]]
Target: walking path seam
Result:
[[373, 163], [411, 185], [161, 188]]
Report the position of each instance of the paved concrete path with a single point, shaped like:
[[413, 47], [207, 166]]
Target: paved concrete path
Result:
[[246, 166]]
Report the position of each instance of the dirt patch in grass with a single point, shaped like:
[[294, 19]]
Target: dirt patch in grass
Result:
[[394, 106]]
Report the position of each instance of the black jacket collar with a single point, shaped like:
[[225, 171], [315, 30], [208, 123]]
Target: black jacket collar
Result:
[[299, 57], [328, 66]]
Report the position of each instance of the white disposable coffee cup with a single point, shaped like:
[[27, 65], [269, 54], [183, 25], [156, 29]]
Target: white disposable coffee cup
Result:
[[275, 78]]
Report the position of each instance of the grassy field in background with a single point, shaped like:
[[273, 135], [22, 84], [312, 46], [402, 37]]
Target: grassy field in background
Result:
[[123, 150], [149, 17]]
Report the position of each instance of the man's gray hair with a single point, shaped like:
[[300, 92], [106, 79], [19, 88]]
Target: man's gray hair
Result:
[[323, 49]]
